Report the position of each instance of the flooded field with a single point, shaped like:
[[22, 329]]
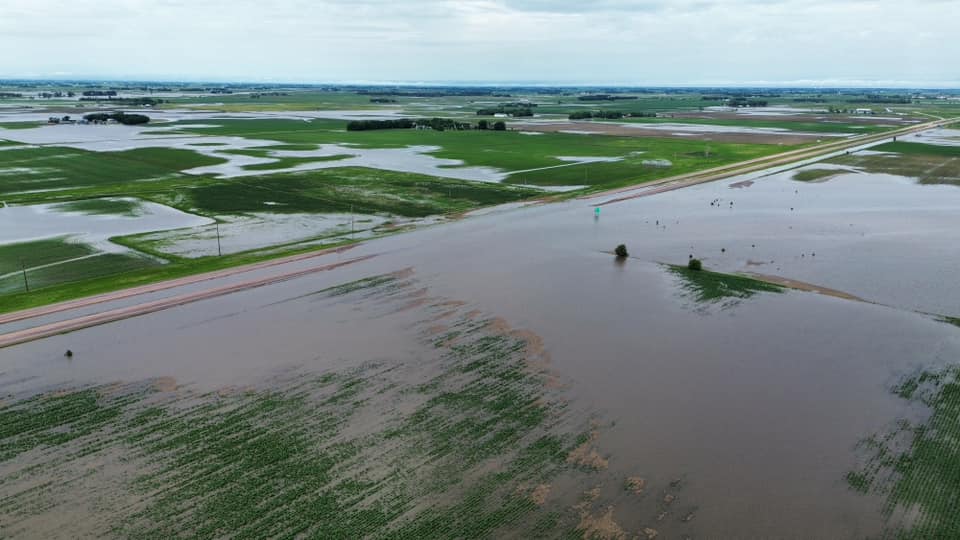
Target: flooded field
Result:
[[262, 230], [475, 378], [91, 224], [493, 372]]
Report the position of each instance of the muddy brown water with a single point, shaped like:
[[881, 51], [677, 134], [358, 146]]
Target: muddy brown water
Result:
[[754, 408]]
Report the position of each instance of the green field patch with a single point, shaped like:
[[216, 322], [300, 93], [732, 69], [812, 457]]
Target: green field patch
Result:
[[39, 253], [21, 125], [364, 190], [640, 161], [814, 175], [61, 168], [929, 164], [511, 150], [98, 207], [98, 266], [915, 465], [715, 288], [289, 162], [747, 122], [917, 148]]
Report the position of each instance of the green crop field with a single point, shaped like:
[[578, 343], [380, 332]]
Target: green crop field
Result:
[[99, 266], [748, 122], [56, 261], [367, 191], [928, 163], [813, 175], [916, 465], [707, 288], [288, 162], [513, 151], [39, 253], [102, 207], [57, 168]]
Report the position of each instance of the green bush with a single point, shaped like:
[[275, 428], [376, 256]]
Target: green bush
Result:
[[621, 251], [695, 264]]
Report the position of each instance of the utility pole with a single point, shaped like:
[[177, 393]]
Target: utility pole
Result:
[[26, 284], [219, 251]]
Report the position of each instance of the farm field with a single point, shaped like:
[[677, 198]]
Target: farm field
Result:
[[469, 377], [272, 173], [438, 383], [285, 165], [480, 270]]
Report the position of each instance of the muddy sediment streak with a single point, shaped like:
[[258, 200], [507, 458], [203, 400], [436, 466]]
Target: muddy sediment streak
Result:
[[475, 439]]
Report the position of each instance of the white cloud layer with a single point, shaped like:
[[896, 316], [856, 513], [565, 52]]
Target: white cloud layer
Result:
[[882, 42]]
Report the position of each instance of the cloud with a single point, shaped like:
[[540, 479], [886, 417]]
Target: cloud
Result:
[[632, 41]]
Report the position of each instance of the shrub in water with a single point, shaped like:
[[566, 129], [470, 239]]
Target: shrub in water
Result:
[[621, 251]]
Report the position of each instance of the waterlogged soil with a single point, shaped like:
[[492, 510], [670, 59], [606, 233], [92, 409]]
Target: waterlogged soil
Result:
[[483, 380], [724, 134], [413, 159], [259, 230], [85, 223]]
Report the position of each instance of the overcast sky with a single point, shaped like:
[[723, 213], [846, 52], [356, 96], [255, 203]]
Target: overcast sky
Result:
[[646, 42]]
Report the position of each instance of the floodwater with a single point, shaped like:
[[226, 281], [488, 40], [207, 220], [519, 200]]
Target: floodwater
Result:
[[880, 237], [755, 405], [939, 137], [38, 221], [113, 138], [411, 159], [256, 230]]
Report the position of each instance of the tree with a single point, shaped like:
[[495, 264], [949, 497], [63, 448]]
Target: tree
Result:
[[621, 251], [483, 124], [499, 126], [695, 264]]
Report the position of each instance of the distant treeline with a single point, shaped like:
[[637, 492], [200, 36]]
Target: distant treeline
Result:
[[809, 100], [838, 110], [133, 102], [746, 102], [603, 97], [382, 100], [452, 91], [609, 115], [8, 95], [518, 109], [437, 124], [100, 93], [123, 118], [878, 98], [52, 95]]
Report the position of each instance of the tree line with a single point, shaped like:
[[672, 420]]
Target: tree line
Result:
[[436, 124], [518, 109], [604, 97], [121, 117], [133, 102], [746, 102], [609, 115]]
